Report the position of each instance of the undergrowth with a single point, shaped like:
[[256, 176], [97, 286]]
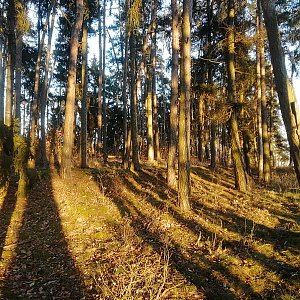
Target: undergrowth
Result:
[[127, 238]]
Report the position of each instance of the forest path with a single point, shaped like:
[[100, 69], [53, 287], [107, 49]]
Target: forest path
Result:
[[113, 234]]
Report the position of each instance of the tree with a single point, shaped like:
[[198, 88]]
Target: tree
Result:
[[286, 95], [100, 80], [171, 174], [84, 95], [258, 91], [154, 79], [125, 156], [263, 98], [2, 79], [36, 92], [133, 24], [241, 180], [45, 85], [104, 104], [10, 63], [184, 184], [66, 162]]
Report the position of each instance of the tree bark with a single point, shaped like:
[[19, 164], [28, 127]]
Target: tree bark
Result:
[[84, 52], [34, 105], [104, 125], [287, 99], [66, 163], [133, 104], [149, 114], [184, 184], [124, 95], [10, 62], [259, 94], [18, 72], [241, 180], [45, 87], [171, 174], [100, 84], [153, 75], [2, 80]]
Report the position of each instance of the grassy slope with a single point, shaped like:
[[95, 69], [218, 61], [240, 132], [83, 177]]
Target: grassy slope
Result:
[[113, 234]]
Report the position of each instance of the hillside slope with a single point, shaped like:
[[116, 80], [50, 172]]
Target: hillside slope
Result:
[[113, 234]]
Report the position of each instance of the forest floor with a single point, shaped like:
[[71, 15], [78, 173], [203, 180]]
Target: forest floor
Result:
[[107, 233]]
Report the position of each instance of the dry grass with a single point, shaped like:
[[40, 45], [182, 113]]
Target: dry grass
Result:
[[128, 240]]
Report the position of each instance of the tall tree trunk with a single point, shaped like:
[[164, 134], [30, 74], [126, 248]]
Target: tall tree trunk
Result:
[[133, 104], [213, 124], [286, 95], [21, 25], [241, 182], [259, 94], [104, 125], [100, 83], [45, 87], [153, 92], [18, 71], [124, 95], [184, 184], [66, 162], [34, 105], [201, 129], [84, 95], [2, 80], [9, 91], [264, 112], [149, 114], [171, 175], [10, 62], [271, 109], [149, 88]]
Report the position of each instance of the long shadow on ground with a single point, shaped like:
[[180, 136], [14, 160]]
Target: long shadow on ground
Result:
[[188, 261], [42, 267], [6, 212], [194, 266]]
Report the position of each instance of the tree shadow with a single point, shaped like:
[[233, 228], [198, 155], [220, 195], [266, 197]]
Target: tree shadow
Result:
[[42, 266], [155, 192], [6, 212], [191, 263]]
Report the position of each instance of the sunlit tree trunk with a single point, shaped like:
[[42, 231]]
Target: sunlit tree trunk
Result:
[[21, 26], [44, 93], [184, 184], [154, 78], [133, 103], [18, 74], [9, 91], [201, 130], [258, 93], [287, 100], [124, 94], [34, 105], [149, 114], [2, 80], [104, 125], [100, 83], [66, 162], [10, 63], [171, 174], [84, 52], [264, 118], [241, 182]]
